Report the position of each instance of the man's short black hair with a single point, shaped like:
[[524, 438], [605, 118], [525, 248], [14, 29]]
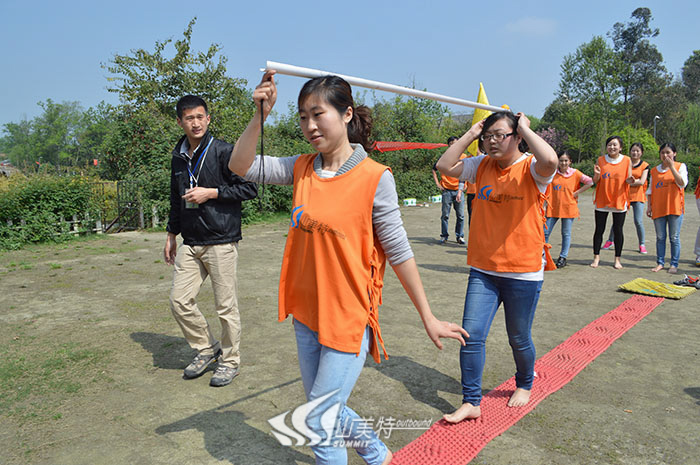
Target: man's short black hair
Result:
[[190, 101], [451, 138]]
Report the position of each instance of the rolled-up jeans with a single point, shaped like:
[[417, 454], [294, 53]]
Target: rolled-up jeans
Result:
[[325, 370], [449, 200], [484, 295], [674, 223]]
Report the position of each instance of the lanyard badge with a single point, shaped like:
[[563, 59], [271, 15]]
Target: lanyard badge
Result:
[[194, 179]]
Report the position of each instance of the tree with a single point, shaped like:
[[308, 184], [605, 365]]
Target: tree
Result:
[[590, 77], [641, 63], [691, 77]]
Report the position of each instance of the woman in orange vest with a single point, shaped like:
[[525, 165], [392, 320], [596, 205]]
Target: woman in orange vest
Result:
[[506, 246], [667, 205], [345, 220], [563, 202], [638, 197], [612, 175]]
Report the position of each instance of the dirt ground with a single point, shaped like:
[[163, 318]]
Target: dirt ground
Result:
[[92, 359]]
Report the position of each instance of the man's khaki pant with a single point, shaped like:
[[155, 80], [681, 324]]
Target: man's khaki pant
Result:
[[192, 266]]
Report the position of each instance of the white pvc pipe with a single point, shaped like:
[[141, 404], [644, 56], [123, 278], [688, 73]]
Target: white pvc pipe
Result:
[[292, 70]]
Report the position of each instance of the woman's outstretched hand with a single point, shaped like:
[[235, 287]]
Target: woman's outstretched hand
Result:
[[437, 329]]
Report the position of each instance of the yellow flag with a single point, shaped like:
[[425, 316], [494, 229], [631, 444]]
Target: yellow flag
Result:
[[479, 114]]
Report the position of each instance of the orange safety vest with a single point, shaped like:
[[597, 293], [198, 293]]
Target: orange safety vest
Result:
[[639, 193], [509, 213], [561, 201], [448, 182], [666, 197], [612, 190], [333, 265]]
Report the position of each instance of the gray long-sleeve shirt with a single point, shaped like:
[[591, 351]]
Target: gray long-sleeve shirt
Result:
[[386, 216]]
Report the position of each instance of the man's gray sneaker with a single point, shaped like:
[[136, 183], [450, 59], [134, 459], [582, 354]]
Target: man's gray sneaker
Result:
[[223, 376], [200, 364]]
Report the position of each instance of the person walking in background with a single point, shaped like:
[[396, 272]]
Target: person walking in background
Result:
[[345, 220], [507, 251], [452, 197], [638, 197], [563, 202], [667, 205], [205, 207], [612, 175]]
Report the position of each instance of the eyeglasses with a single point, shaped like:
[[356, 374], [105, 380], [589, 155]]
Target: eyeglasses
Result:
[[496, 137]]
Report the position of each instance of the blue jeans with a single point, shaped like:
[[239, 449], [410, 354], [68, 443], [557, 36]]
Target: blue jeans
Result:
[[638, 211], [324, 370], [449, 200], [484, 295], [674, 223], [566, 224]]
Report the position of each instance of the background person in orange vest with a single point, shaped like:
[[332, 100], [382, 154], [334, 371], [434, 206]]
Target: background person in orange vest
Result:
[[452, 197], [612, 175], [638, 197], [345, 219], [506, 248], [667, 205], [563, 202]]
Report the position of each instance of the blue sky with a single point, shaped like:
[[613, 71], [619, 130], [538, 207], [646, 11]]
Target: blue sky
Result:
[[55, 49]]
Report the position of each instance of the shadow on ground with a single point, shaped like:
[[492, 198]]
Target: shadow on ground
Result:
[[227, 437], [169, 352]]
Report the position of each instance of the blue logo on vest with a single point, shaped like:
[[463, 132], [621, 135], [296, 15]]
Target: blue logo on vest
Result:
[[298, 216], [659, 184], [485, 192], [557, 187], [606, 175]]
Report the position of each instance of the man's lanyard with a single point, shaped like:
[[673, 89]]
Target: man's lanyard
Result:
[[202, 157]]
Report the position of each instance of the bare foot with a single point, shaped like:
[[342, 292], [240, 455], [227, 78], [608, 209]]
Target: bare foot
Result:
[[657, 268], [596, 261], [673, 270], [387, 460], [519, 398], [466, 411], [617, 265]]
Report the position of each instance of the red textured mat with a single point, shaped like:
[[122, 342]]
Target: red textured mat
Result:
[[447, 444]]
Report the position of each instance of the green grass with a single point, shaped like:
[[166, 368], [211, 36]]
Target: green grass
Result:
[[33, 387]]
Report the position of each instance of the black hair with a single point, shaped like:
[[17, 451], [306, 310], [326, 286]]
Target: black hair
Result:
[[451, 139], [668, 145], [513, 123], [338, 93], [190, 101], [619, 139], [637, 144], [565, 152]]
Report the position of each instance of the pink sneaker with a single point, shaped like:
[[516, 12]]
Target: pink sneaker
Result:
[[642, 249], [608, 244]]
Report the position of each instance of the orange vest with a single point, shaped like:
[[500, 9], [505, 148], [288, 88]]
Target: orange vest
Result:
[[509, 212], [471, 188], [612, 191], [666, 197], [639, 193], [333, 266], [697, 189], [562, 203], [448, 182]]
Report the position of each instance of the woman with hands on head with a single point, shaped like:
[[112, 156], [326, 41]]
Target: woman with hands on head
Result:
[[667, 205], [507, 251], [345, 221]]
